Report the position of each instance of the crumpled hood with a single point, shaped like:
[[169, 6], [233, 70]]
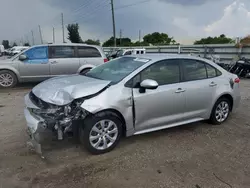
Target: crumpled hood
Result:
[[64, 89]]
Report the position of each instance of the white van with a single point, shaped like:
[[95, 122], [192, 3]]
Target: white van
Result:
[[45, 61]]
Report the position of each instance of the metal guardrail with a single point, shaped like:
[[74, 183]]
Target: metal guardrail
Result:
[[226, 52]]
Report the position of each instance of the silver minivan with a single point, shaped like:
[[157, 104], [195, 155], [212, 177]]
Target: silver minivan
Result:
[[41, 62]]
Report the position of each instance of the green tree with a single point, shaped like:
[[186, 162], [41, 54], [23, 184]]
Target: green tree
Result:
[[92, 42], [157, 38], [6, 44], [222, 39], [137, 43], [73, 33], [120, 42], [14, 44]]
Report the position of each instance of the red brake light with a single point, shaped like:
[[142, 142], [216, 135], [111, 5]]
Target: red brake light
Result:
[[106, 60], [236, 80]]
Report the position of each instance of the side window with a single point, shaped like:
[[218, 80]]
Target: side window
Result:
[[37, 53], [218, 73], [164, 72], [128, 53], [211, 71], [62, 52], [193, 70], [137, 52], [86, 52]]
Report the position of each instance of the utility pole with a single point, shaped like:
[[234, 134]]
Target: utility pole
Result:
[[41, 37], [63, 29], [139, 35], [113, 20], [33, 40], [120, 37], [53, 35]]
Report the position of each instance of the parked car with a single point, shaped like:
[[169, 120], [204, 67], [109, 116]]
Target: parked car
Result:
[[17, 49], [45, 61], [122, 52], [128, 96]]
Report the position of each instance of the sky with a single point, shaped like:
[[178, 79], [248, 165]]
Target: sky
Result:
[[185, 20]]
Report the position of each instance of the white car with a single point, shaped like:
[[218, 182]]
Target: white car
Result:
[[17, 49]]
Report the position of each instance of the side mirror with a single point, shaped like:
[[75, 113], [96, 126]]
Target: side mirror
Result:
[[148, 84], [22, 57]]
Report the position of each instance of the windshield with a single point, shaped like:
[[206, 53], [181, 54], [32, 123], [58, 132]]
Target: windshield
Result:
[[117, 69]]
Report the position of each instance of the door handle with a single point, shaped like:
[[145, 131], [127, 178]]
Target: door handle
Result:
[[180, 90], [212, 84], [53, 62]]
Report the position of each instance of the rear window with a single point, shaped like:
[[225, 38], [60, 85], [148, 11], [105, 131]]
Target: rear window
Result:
[[62, 52], [86, 51]]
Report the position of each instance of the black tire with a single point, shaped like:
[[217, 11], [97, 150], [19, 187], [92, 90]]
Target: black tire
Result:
[[213, 119], [84, 71], [89, 122], [14, 77]]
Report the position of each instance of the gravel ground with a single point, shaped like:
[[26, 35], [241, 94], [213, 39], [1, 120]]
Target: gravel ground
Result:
[[198, 155]]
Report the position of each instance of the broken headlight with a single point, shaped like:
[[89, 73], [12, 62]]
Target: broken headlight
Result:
[[46, 111]]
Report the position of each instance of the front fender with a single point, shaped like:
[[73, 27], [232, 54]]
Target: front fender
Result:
[[87, 66], [10, 68]]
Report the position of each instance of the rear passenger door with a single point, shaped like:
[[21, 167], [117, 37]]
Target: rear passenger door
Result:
[[199, 83], [89, 55], [63, 60]]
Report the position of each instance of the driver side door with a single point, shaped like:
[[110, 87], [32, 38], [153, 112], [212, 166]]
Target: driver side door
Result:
[[161, 107], [36, 66]]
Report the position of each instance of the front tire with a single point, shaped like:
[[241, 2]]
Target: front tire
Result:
[[101, 132], [221, 111], [7, 79]]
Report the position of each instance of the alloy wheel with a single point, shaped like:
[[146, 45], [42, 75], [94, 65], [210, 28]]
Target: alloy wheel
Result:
[[103, 134], [6, 80], [222, 111]]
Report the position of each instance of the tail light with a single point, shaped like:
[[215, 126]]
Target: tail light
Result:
[[106, 60], [236, 80]]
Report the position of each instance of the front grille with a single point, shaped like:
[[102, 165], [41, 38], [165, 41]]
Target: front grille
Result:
[[38, 102]]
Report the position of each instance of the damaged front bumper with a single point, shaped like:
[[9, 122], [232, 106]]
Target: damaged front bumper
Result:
[[36, 131], [43, 126]]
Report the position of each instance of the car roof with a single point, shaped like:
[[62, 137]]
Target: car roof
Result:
[[68, 44], [162, 56]]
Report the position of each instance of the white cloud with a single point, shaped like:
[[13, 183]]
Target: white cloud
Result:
[[234, 22]]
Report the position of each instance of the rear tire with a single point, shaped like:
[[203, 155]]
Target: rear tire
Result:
[[221, 111], [8, 79], [101, 132]]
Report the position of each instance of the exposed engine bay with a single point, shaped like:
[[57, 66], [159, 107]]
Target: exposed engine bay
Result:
[[58, 118]]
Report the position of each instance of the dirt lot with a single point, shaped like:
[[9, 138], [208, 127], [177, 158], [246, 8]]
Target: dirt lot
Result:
[[197, 155]]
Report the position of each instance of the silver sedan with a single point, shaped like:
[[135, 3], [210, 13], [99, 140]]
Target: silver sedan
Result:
[[131, 95]]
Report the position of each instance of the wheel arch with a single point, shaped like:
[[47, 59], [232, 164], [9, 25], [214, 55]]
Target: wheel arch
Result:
[[88, 66], [119, 115], [227, 96], [13, 71]]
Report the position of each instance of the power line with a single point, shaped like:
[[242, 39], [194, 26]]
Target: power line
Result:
[[125, 6], [93, 12]]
